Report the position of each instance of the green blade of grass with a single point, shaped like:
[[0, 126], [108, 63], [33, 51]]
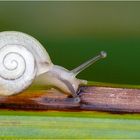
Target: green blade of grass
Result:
[[68, 125]]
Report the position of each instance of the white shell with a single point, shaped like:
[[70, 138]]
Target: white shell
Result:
[[22, 57]]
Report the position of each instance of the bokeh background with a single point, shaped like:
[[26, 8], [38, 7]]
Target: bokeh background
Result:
[[73, 32]]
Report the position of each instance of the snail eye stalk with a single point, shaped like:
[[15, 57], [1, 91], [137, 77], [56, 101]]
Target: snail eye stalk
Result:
[[89, 62]]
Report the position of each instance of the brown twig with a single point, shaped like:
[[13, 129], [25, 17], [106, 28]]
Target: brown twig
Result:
[[92, 98]]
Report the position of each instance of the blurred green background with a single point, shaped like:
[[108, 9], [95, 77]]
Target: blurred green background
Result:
[[73, 32]]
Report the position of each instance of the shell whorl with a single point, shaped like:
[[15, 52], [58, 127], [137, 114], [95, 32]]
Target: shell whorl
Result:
[[21, 58]]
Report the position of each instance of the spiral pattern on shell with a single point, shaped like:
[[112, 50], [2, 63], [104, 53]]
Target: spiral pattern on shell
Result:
[[22, 58], [17, 67]]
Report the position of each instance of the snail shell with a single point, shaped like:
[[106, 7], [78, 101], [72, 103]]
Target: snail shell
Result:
[[22, 58]]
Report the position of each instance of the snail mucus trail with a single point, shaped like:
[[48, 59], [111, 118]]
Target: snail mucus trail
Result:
[[23, 59]]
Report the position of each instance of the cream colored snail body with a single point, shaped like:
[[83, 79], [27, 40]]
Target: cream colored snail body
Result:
[[22, 58]]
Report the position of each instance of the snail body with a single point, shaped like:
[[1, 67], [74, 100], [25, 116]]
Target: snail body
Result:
[[23, 58]]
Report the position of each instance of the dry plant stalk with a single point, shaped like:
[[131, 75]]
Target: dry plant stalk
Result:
[[93, 98]]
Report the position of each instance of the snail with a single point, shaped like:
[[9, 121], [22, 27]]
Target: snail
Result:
[[23, 58]]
